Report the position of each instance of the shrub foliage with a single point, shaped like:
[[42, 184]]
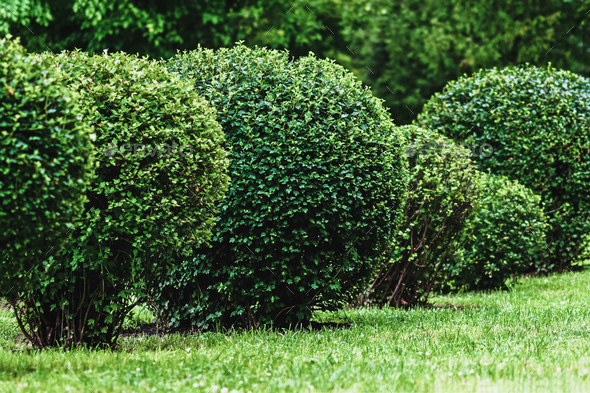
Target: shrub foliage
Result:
[[146, 205], [45, 163], [537, 120], [441, 192], [503, 237], [408, 50], [318, 181]]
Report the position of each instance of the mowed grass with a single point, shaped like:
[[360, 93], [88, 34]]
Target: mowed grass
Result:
[[534, 338]]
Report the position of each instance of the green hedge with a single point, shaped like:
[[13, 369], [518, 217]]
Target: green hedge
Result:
[[537, 121], [504, 236], [45, 163], [146, 205], [442, 189], [318, 182]]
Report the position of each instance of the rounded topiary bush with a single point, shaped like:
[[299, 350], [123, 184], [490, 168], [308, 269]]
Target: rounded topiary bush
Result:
[[161, 167], [537, 122], [318, 182], [45, 163], [503, 237], [442, 189]]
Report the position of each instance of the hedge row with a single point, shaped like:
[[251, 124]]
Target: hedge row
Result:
[[329, 203], [308, 186], [538, 121]]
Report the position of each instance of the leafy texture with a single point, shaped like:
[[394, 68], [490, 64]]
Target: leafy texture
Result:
[[442, 189], [146, 205], [405, 50], [45, 163], [318, 182], [160, 28], [503, 236], [408, 50], [537, 121]]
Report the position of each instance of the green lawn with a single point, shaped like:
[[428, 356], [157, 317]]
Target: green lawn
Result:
[[534, 338]]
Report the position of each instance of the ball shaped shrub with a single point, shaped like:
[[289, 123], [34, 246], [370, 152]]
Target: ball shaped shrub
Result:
[[161, 168], [318, 182], [537, 122], [503, 237], [442, 189], [45, 162]]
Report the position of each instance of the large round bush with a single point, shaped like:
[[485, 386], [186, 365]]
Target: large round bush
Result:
[[161, 168], [318, 182], [442, 189], [45, 159], [503, 237], [537, 121]]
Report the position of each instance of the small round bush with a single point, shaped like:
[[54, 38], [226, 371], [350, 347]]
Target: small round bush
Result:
[[442, 190], [537, 122], [318, 182], [503, 237], [45, 162], [161, 168]]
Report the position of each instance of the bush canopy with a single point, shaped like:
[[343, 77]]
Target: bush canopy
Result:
[[45, 163], [161, 168], [538, 122], [442, 189], [504, 236], [318, 183]]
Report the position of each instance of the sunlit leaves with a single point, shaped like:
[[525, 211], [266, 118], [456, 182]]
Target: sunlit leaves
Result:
[[45, 163]]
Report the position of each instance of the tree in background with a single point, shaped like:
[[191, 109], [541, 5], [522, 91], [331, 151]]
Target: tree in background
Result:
[[159, 29], [408, 50], [405, 50]]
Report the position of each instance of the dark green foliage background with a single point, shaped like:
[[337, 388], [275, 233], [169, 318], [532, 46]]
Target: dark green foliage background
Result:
[[503, 237], [537, 120], [318, 181], [160, 28], [405, 50], [408, 50], [143, 210], [45, 163], [443, 186]]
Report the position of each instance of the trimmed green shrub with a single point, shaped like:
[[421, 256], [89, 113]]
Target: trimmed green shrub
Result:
[[442, 190], [537, 121], [503, 237], [318, 183], [146, 205], [45, 163]]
